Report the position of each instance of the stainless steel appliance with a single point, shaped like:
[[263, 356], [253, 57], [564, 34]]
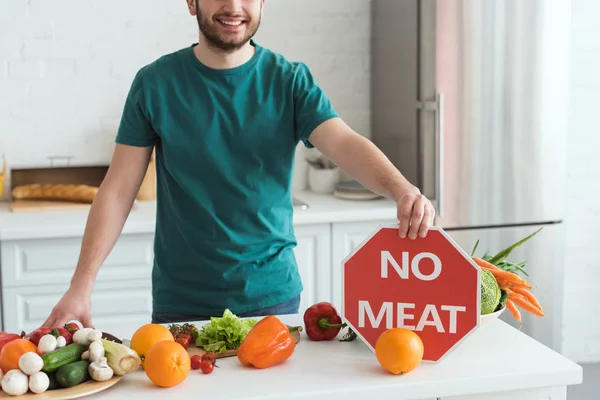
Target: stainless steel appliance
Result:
[[469, 101]]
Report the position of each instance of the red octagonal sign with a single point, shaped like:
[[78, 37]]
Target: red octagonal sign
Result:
[[429, 285]]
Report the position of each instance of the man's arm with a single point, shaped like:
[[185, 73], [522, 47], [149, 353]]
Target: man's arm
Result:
[[106, 219], [362, 160], [110, 210]]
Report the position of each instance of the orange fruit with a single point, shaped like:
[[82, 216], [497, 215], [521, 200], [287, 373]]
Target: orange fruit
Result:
[[399, 350], [12, 351], [167, 363], [147, 336]]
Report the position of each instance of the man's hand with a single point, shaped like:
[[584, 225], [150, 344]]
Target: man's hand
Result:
[[75, 305], [362, 160], [415, 214]]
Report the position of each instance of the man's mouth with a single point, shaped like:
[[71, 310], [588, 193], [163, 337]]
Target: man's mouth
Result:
[[231, 22]]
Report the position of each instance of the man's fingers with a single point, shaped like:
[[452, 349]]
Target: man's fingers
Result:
[[404, 215], [49, 323], [416, 218], [427, 220], [87, 322]]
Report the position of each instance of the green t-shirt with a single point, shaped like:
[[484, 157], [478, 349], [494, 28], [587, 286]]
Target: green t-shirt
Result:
[[225, 144]]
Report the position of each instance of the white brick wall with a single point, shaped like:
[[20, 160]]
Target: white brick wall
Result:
[[66, 65], [581, 328]]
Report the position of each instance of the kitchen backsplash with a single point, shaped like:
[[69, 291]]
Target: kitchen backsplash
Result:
[[66, 66]]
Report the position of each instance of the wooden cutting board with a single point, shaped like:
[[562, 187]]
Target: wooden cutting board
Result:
[[194, 350], [19, 206], [46, 205], [75, 392]]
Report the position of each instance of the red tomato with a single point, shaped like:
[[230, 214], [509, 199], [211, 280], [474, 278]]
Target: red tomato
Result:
[[196, 362], [207, 366], [184, 340], [35, 336], [66, 334], [71, 327], [210, 357]]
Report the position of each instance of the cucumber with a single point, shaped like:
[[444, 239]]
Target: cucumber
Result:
[[66, 355], [53, 382], [73, 374]]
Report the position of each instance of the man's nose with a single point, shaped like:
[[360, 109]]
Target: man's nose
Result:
[[232, 6]]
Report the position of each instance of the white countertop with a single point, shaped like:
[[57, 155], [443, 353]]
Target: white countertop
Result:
[[48, 224], [497, 357]]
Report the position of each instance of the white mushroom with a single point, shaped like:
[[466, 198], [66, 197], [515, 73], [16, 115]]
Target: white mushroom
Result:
[[85, 336], [96, 350], [81, 336], [39, 382], [1, 374], [85, 355], [15, 382], [100, 371], [30, 363], [47, 344], [94, 334], [61, 342]]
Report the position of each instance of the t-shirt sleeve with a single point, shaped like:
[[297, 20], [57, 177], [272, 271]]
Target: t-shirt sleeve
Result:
[[135, 128], [312, 107]]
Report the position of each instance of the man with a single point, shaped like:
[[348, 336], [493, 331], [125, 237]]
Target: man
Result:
[[225, 117]]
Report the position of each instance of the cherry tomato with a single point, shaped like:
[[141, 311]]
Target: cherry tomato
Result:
[[206, 366], [196, 362], [210, 357], [71, 327], [184, 340]]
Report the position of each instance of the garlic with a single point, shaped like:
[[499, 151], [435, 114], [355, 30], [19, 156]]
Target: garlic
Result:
[[30, 363], [99, 370], [47, 344], [96, 350], [39, 382], [61, 342], [15, 382]]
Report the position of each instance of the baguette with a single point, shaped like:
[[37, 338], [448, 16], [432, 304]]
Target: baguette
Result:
[[66, 192]]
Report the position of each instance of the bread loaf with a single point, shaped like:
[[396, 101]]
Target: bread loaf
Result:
[[65, 192]]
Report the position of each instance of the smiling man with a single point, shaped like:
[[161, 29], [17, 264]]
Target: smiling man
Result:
[[225, 116]]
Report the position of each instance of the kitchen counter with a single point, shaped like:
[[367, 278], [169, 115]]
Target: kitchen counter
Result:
[[51, 224], [496, 362]]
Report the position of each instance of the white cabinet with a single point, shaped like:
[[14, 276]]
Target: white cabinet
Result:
[[346, 236], [37, 272], [313, 255]]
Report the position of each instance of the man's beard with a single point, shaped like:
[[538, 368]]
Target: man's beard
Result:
[[219, 42]]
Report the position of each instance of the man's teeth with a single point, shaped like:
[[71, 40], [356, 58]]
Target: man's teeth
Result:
[[232, 23]]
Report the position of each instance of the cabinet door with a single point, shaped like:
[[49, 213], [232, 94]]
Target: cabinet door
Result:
[[346, 236], [313, 254], [53, 260], [118, 307]]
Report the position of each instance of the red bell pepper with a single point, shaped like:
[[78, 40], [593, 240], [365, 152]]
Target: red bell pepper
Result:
[[6, 337], [322, 322]]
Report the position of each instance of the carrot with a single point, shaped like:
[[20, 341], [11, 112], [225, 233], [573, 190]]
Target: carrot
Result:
[[528, 295], [484, 264], [509, 277], [513, 310], [522, 302], [511, 285]]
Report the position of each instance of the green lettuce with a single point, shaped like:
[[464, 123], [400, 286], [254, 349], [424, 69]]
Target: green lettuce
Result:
[[223, 333]]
